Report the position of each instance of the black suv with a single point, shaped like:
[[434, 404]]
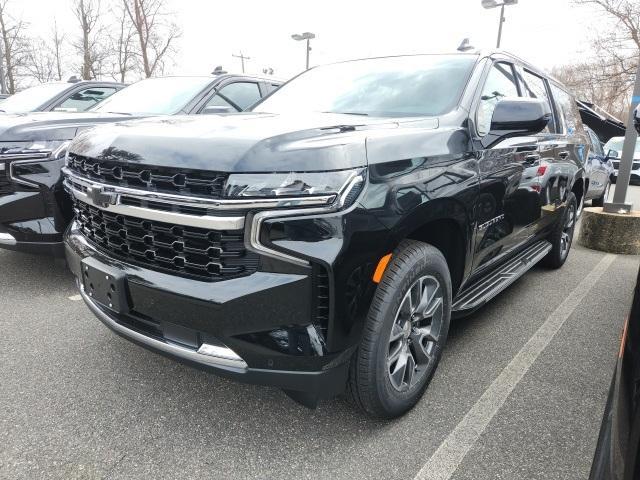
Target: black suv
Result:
[[323, 241], [34, 211]]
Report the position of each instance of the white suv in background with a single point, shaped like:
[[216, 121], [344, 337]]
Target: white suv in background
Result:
[[613, 149]]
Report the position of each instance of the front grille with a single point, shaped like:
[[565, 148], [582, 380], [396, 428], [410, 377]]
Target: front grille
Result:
[[201, 183], [635, 165], [191, 252], [6, 185]]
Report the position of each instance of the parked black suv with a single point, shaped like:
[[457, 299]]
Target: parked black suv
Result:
[[323, 241], [72, 96], [34, 211]]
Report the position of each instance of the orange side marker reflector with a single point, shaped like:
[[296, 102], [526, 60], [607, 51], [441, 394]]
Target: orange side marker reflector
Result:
[[382, 266], [623, 339]]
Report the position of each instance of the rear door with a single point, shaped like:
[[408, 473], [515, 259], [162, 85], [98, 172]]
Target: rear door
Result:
[[508, 201], [596, 169], [544, 168], [571, 152]]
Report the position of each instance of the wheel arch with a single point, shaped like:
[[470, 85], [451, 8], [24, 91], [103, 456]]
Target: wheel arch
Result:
[[446, 225]]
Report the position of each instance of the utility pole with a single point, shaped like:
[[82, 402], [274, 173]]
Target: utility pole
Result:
[[619, 204], [242, 58]]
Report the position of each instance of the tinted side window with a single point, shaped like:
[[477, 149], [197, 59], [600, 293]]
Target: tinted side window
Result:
[[534, 86], [218, 101], [242, 94], [500, 84], [567, 110], [85, 99], [595, 141]]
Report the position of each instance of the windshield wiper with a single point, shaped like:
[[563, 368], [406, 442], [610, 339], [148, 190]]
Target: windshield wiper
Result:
[[350, 113]]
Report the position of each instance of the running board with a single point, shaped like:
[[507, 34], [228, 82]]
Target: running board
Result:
[[484, 289]]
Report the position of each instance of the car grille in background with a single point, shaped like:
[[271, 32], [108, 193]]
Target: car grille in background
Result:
[[186, 251], [6, 186], [616, 165], [156, 179]]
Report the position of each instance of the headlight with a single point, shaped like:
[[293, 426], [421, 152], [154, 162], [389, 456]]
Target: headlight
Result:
[[29, 166], [294, 184], [35, 149]]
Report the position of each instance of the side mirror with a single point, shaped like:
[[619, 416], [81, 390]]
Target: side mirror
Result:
[[613, 154], [214, 109], [636, 118], [514, 117]]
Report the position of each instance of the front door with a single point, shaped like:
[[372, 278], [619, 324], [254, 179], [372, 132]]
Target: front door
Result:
[[508, 203]]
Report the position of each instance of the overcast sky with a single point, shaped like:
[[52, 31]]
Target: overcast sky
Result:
[[544, 32]]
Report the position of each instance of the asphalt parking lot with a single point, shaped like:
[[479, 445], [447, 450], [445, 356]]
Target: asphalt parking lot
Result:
[[519, 394]]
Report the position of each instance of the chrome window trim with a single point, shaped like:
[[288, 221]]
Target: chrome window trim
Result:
[[215, 204]]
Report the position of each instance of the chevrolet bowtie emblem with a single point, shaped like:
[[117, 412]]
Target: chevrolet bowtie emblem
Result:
[[101, 198]]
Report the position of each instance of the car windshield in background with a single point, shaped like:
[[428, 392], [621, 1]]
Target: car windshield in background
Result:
[[154, 96], [616, 144], [31, 98], [422, 85]]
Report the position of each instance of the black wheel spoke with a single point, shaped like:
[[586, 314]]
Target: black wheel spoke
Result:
[[415, 332]]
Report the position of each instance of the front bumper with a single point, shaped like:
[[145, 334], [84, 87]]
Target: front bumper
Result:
[[34, 214], [181, 318]]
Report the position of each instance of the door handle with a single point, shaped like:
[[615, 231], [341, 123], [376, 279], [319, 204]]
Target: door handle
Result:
[[531, 158], [564, 155]]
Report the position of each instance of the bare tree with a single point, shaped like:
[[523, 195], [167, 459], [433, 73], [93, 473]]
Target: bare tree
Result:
[[14, 47], [155, 31], [608, 79], [123, 45], [599, 82], [44, 58], [91, 44], [58, 42], [41, 62]]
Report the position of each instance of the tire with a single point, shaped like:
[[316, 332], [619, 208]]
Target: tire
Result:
[[599, 202], [561, 244], [378, 383]]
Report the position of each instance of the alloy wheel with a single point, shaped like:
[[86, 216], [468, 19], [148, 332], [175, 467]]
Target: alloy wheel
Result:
[[415, 333], [567, 231]]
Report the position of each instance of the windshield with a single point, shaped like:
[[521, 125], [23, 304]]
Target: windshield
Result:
[[615, 143], [155, 96], [422, 85], [31, 98]]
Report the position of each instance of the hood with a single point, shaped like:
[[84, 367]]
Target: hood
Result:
[[245, 142], [46, 126]]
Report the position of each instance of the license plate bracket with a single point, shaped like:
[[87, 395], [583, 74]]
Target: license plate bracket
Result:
[[105, 285]]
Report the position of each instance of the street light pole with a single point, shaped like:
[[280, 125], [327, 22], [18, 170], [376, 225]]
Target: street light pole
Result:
[[619, 204], [488, 4], [500, 26], [308, 36]]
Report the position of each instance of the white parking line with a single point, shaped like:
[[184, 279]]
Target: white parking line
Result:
[[75, 298], [446, 459]]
